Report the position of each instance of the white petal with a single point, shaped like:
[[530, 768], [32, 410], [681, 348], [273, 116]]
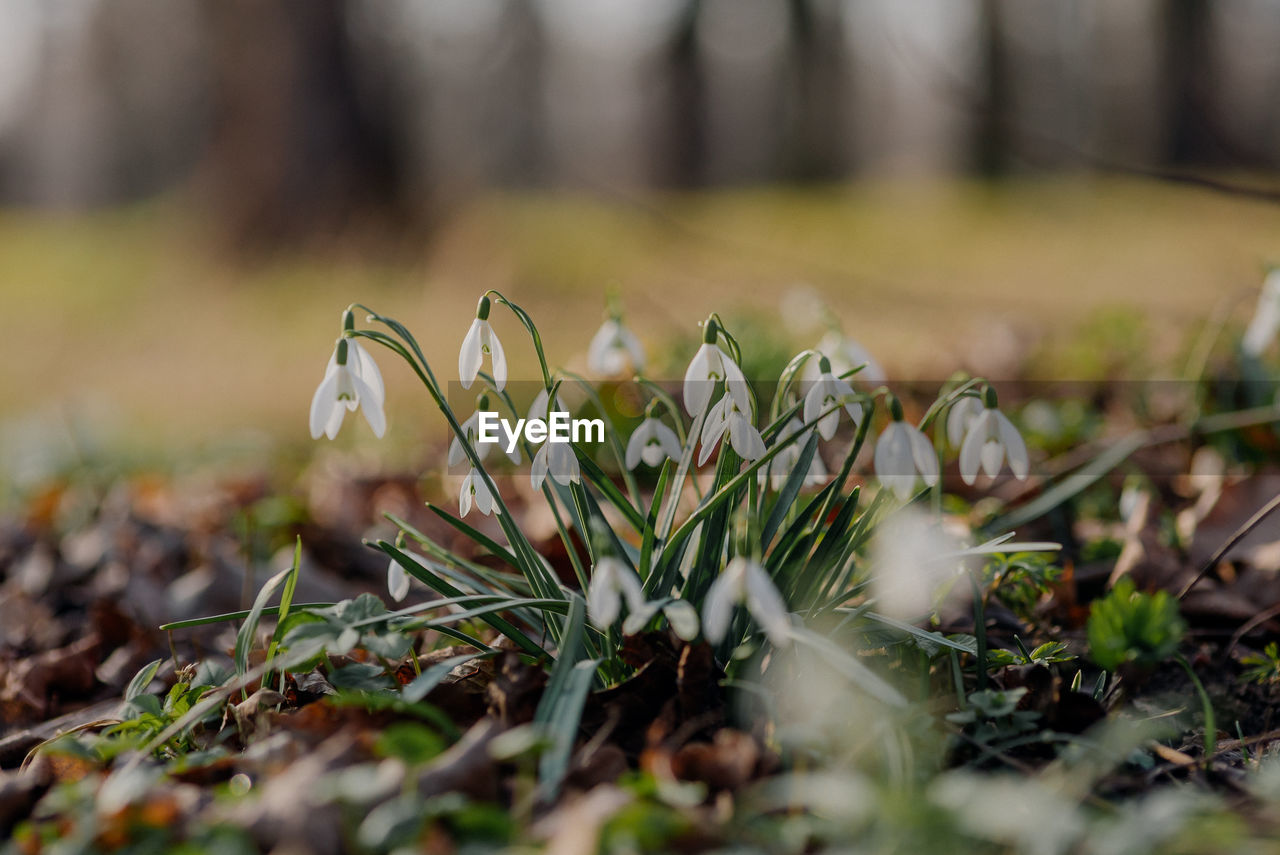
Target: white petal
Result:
[[736, 383], [1014, 447], [668, 440], [960, 419], [498, 357], [638, 443], [766, 605], [813, 403], [323, 402], [484, 498], [336, 415], [397, 581], [470, 355], [634, 348], [598, 352], [971, 448], [992, 457], [893, 460], [563, 463], [924, 455], [746, 440], [629, 584], [538, 472], [367, 369], [711, 434], [697, 386], [717, 608], [371, 406], [604, 602], [639, 617], [683, 618], [464, 495]]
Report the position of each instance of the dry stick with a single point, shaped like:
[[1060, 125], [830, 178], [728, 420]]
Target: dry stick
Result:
[[1264, 512], [1249, 625]]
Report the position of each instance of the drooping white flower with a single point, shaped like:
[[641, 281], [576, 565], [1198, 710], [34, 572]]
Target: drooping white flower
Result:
[[612, 581], [614, 349], [557, 460], [709, 366], [351, 379], [471, 429], [476, 491], [828, 391], [480, 339], [904, 453], [990, 439], [1265, 323], [397, 581], [781, 466], [961, 417], [682, 616], [726, 417], [538, 409], [845, 355], [652, 442], [745, 581]]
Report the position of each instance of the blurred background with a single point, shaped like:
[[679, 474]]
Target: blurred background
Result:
[[192, 190]]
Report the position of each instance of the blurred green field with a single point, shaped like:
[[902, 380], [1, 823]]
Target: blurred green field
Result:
[[131, 321]]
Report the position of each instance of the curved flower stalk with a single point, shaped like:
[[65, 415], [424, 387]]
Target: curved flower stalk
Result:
[[612, 581], [475, 491], [744, 581], [351, 379], [780, 467], [726, 417], [1265, 323], [614, 349], [903, 454], [479, 341], [991, 439], [709, 366], [826, 392], [558, 460], [652, 442]]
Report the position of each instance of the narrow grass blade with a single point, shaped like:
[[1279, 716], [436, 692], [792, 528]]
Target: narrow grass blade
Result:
[[422, 685], [244, 638]]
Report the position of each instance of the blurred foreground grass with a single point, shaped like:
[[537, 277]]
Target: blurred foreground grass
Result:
[[128, 322]]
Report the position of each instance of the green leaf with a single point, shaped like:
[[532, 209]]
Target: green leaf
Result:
[[560, 709], [244, 638], [790, 490], [484, 541], [141, 680], [433, 676]]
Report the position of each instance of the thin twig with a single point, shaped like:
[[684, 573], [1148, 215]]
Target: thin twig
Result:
[[1222, 551]]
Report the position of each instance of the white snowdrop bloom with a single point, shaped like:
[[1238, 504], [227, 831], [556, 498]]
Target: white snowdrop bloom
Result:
[[913, 558], [990, 439], [961, 417], [557, 460], [397, 581], [480, 339], [745, 581], [726, 417], [845, 355], [538, 409], [475, 491], [682, 616], [614, 349], [781, 466], [612, 581], [1265, 323], [652, 442], [708, 366], [904, 453], [351, 379], [471, 429], [825, 393]]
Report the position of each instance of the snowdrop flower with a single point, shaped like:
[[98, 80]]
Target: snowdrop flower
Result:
[[351, 379], [846, 355], [613, 348], [780, 467], [902, 453], [557, 460], [682, 617], [611, 582], [726, 417], [745, 581], [990, 439], [1265, 324], [709, 365], [476, 491], [479, 341], [828, 391], [471, 429], [652, 442], [961, 418], [910, 553], [538, 409], [397, 581]]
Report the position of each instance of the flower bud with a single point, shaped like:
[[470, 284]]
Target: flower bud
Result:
[[482, 308]]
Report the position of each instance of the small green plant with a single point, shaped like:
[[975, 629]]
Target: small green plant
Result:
[[1133, 628], [1263, 668], [993, 716]]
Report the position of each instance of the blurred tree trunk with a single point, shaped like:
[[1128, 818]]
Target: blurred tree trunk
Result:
[[1188, 74], [295, 154], [992, 144]]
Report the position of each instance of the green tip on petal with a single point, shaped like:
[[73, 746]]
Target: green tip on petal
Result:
[[342, 351], [482, 402], [482, 308], [989, 398], [895, 408], [709, 331], [348, 321], [824, 365]]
